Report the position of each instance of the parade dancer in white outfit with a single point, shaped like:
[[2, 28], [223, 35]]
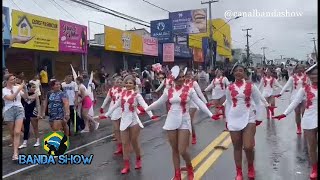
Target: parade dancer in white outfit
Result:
[[241, 118], [130, 123], [267, 87], [294, 83], [309, 121], [189, 77], [178, 122], [113, 95], [218, 86]]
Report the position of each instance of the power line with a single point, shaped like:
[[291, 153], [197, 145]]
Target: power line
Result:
[[156, 6], [66, 11], [40, 7], [122, 14], [16, 5], [107, 12]]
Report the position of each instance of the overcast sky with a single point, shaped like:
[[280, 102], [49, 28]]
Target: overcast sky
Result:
[[282, 35]]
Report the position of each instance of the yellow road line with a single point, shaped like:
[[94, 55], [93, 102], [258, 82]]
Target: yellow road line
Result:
[[195, 161], [204, 153], [209, 162]]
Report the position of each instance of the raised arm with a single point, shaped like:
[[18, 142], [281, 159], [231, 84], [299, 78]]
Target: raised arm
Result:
[[209, 87], [161, 85], [162, 100], [106, 100], [276, 82], [194, 97], [199, 92], [143, 104], [114, 107], [257, 96], [296, 101], [226, 81], [287, 85]]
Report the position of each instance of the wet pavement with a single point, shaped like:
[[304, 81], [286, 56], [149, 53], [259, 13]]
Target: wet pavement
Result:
[[280, 154]]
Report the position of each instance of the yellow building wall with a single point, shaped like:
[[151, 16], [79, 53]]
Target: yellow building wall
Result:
[[221, 34]]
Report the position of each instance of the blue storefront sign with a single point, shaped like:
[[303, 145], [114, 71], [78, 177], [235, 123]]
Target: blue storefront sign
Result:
[[206, 50], [182, 51], [6, 35], [162, 30], [6, 26], [189, 22]]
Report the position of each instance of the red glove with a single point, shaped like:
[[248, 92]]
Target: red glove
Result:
[[279, 117], [220, 107], [101, 111], [103, 117], [142, 111], [216, 117], [258, 122], [277, 96], [154, 118], [209, 105]]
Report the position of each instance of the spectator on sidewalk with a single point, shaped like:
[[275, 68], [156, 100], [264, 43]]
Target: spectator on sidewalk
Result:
[[37, 83], [32, 114], [58, 108], [44, 79], [71, 89], [13, 111]]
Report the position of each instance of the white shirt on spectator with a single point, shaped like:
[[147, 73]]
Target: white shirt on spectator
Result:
[[70, 90], [8, 92]]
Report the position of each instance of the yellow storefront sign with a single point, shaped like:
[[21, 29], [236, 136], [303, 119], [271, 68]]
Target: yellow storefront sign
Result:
[[222, 35], [34, 32], [122, 41]]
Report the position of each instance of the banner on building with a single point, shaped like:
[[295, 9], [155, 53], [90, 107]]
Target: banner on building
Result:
[[150, 46], [189, 22], [182, 51], [162, 30], [122, 41], [197, 55], [168, 52], [73, 37], [34, 32], [6, 35]]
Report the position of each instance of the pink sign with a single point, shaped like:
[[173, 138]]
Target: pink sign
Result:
[[150, 46], [168, 52], [73, 37]]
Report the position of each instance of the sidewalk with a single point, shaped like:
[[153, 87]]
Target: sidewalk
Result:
[[44, 126]]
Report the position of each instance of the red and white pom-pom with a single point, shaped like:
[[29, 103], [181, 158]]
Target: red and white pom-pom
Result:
[[157, 68]]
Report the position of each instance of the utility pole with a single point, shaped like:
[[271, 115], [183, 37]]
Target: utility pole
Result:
[[315, 47], [212, 62], [264, 54], [248, 48]]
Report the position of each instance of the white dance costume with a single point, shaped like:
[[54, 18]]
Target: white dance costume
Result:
[[179, 104]]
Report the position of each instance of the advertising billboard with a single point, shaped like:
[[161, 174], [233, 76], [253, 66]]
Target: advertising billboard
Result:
[[162, 30], [182, 51], [150, 46], [34, 32], [122, 41], [73, 37], [222, 36], [168, 52], [189, 22]]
